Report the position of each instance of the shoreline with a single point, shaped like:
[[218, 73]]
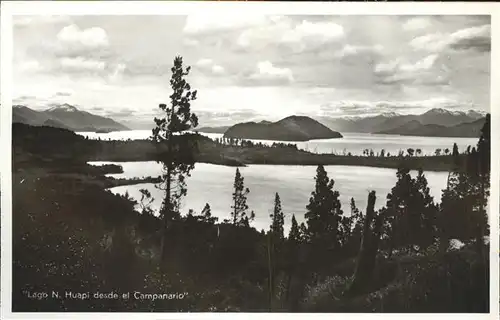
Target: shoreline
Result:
[[243, 165]]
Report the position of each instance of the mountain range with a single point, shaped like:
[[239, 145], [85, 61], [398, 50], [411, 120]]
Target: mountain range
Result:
[[293, 128], [65, 116], [436, 122], [415, 128], [390, 121]]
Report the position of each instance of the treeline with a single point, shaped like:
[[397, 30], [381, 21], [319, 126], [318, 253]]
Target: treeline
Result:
[[235, 142], [410, 152], [410, 224], [71, 235]]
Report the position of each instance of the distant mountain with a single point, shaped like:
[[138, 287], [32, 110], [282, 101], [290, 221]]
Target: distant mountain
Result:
[[23, 114], [220, 129], [65, 116], [293, 128], [55, 123], [415, 128], [389, 121]]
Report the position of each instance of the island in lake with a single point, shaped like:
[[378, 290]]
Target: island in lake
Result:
[[293, 128], [283, 164]]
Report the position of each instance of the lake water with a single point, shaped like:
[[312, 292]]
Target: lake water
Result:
[[354, 143], [213, 184]]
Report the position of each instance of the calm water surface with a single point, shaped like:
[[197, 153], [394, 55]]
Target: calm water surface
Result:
[[354, 143], [213, 184]]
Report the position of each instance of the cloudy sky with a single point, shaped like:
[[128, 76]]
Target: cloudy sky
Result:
[[254, 67]]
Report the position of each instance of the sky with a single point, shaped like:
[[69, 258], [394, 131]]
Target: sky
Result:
[[254, 67]]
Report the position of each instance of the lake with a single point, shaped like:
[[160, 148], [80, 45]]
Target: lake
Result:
[[354, 143], [213, 184]]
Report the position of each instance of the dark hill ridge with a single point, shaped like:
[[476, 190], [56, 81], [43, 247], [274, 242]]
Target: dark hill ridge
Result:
[[415, 128], [293, 128], [65, 116]]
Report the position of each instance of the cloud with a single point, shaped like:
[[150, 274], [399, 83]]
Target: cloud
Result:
[[23, 99], [287, 32], [397, 66], [354, 50], [216, 69], [227, 117], [29, 66], [63, 94], [191, 42], [208, 66], [117, 72], [474, 38], [81, 64], [268, 32], [23, 21], [313, 32], [208, 23], [267, 74], [417, 23], [204, 62], [366, 108], [91, 37], [421, 72], [121, 113]]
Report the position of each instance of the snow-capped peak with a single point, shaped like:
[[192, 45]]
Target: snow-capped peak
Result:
[[390, 114], [439, 110], [476, 113], [63, 107]]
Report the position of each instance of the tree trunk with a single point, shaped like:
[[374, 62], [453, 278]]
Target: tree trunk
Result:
[[444, 242], [167, 205], [479, 231], [166, 215], [270, 272], [364, 266]]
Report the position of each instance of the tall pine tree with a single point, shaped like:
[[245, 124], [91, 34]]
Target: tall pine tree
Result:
[[410, 213], [178, 160], [278, 221], [294, 235], [324, 213], [239, 214]]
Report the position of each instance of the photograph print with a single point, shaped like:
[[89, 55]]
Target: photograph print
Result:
[[251, 163]]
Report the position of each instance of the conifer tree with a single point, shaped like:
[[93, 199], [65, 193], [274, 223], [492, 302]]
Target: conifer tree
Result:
[[356, 224], [145, 203], [207, 212], [240, 207], [278, 220], [369, 247], [398, 210], [324, 213], [427, 211], [304, 233], [294, 235], [481, 178], [462, 211], [178, 160], [206, 215], [411, 212], [455, 149]]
